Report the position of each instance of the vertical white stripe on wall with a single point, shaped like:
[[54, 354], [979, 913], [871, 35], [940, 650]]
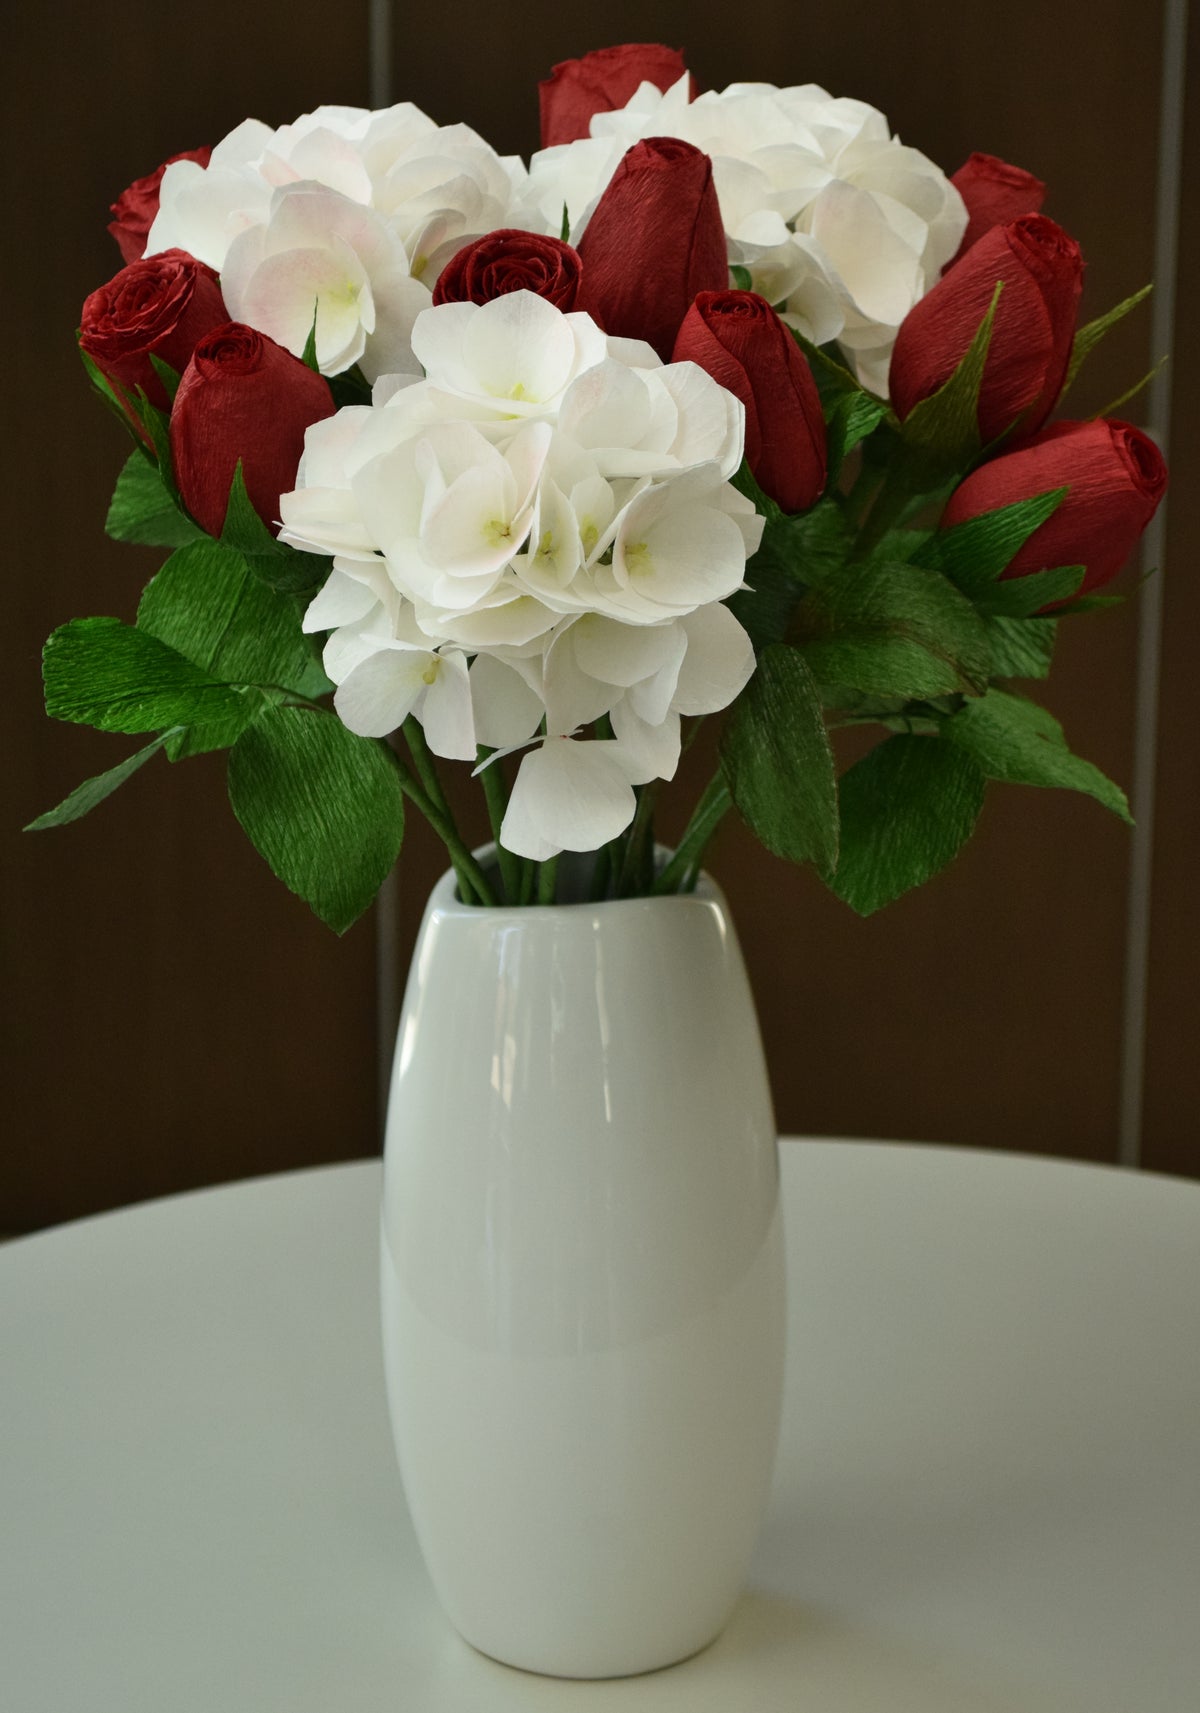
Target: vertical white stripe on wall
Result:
[[387, 974], [1150, 597]]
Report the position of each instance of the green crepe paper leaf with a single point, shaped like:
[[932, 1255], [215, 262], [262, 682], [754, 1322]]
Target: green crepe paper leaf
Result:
[[1025, 597], [1014, 740], [1021, 648], [832, 377], [156, 423], [816, 543], [321, 806], [764, 608], [1091, 604], [1090, 335], [941, 434], [205, 603], [169, 377], [974, 553], [85, 797], [564, 233], [280, 567], [893, 630], [778, 764], [744, 481], [350, 387], [741, 277], [143, 511], [853, 417], [907, 810], [795, 552], [104, 387], [102, 673], [1114, 405], [903, 547], [309, 355]]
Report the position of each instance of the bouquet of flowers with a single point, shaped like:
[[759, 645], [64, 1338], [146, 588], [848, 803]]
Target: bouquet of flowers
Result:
[[726, 401]]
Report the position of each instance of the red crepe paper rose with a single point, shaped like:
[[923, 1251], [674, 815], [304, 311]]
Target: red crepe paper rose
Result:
[[654, 240], [995, 193], [1114, 475], [165, 305], [242, 397], [134, 210], [1042, 273], [509, 260], [738, 338], [600, 82]]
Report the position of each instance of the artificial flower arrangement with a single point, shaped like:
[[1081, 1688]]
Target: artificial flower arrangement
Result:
[[727, 401]]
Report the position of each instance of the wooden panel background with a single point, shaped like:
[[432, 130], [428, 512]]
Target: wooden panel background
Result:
[[174, 1018]]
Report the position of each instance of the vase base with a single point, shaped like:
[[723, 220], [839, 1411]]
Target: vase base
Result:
[[602, 1674]]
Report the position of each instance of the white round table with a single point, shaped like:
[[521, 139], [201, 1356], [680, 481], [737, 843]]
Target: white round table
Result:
[[988, 1495]]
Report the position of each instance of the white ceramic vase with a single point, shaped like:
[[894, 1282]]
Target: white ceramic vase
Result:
[[582, 1269]]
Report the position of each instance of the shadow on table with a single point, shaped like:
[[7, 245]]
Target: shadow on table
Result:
[[774, 1656]]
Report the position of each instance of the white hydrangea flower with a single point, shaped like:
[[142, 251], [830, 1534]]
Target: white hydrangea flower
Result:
[[837, 223], [351, 211], [536, 536]]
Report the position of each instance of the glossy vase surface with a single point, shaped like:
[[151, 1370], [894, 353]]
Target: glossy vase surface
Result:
[[582, 1273]]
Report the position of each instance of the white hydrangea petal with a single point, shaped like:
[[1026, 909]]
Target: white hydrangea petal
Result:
[[520, 348], [686, 555], [505, 618], [445, 713], [380, 692], [399, 300], [623, 654], [718, 664], [647, 750], [880, 271], [507, 710], [341, 600], [572, 696], [567, 795]]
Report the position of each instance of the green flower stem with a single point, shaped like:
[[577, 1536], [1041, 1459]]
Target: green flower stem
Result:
[[891, 503], [706, 818], [472, 882], [496, 796], [529, 871], [639, 840], [547, 880], [414, 737]]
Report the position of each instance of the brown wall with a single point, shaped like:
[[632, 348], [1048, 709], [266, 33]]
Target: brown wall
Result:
[[175, 1018]]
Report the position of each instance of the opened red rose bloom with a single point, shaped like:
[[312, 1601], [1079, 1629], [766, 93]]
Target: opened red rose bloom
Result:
[[165, 305], [510, 260]]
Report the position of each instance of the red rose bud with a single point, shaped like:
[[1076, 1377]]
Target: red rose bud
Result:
[[738, 338], [600, 82], [1042, 273], [994, 193], [654, 240], [507, 261], [1114, 476], [135, 208], [242, 397], [164, 305]]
